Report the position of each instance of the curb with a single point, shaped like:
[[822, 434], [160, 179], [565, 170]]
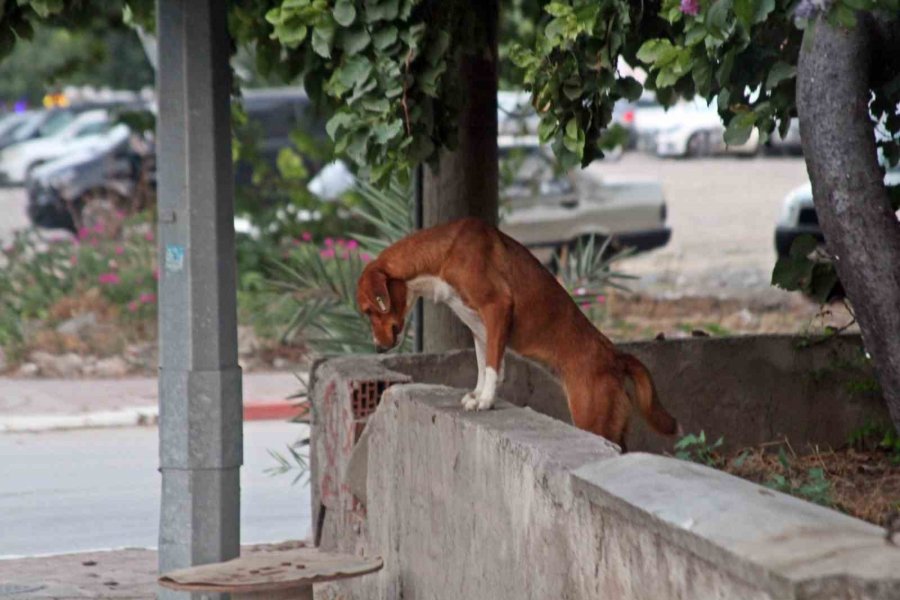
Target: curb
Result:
[[130, 417]]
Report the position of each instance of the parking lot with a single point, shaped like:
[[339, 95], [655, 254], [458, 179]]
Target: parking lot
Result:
[[722, 213]]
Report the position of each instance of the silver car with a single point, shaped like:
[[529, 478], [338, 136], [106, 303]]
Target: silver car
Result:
[[548, 209]]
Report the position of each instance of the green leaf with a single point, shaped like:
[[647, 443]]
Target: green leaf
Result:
[[322, 39], [652, 50], [547, 128], [378, 105], [344, 12], [802, 247], [385, 132], [381, 10], [383, 37], [355, 71], [739, 128], [779, 72], [355, 40], [338, 121], [629, 88], [717, 18]]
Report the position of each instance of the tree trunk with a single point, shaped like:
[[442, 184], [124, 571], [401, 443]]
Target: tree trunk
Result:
[[862, 232], [464, 184]]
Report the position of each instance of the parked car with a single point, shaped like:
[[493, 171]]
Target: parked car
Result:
[[798, 215], [694, 128], [17, 160], [35, 124], [82, 189], [630, 114], [548, 210]]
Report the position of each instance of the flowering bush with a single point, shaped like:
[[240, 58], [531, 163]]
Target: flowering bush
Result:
[[41, 278]]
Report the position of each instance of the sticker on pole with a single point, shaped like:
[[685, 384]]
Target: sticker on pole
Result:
[[174, 258]]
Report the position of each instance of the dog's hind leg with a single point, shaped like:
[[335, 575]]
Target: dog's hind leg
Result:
[[599, 406], [472, 397]]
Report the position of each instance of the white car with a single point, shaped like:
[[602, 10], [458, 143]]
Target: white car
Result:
[[694, 128], [18, 160]]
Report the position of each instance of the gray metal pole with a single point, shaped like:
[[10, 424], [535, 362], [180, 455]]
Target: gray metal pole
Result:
[[200, 437]]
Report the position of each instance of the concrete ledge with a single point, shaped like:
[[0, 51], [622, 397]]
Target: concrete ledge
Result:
[[784, 544], [513, 504]]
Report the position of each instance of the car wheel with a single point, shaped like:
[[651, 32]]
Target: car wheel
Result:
[[698, 145], [102, 211]]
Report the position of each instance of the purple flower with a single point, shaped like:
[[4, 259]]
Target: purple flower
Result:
[[809, 9], [690, 7]]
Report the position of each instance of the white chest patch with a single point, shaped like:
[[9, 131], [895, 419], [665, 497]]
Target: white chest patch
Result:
[[439, 291]]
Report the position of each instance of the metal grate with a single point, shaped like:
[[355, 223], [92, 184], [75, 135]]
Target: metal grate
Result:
[[365, 398]]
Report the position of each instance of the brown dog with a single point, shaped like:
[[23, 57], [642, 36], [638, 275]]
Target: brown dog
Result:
[[507, 298]]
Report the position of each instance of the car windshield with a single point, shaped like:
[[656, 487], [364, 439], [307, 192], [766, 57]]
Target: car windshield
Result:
[[55, 122], [92, 128], [27, 127]]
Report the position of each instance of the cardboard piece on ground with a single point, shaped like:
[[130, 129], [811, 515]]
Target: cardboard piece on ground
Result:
[[270, 571]]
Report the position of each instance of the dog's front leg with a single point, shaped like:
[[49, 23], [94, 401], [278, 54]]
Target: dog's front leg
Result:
[[497, 318], [472, 397]]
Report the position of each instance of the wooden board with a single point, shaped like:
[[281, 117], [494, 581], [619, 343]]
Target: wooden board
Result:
[[270, 571]]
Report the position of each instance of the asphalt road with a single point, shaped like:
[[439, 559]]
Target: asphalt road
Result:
[[92, 489]]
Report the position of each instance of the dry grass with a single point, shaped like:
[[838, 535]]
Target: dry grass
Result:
[[864, 484]]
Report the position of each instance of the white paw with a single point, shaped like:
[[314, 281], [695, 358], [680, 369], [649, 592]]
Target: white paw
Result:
[[470, 401], [485, 403]]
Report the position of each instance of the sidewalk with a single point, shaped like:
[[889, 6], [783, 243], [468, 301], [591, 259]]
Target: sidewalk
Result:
[[45, 404], [115, 574]]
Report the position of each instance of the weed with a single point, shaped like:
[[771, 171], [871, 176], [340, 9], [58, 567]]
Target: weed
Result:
[[694, 448]]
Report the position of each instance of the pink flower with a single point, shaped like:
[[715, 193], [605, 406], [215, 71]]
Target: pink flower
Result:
[[133, 306], [585, 305], [83, 233], [329, 253], [601, 299], [329, 243], [306, 236], [147, 298], [99, 228], [690, 7], [108, 278], [352, 245], [365, 257], [149, 236], [580, 291], [120, 250]]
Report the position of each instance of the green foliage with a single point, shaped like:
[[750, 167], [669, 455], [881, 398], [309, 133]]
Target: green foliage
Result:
[[806, 269], [876, 435], [315, 287], [44, 50], [36, 274], [695, 448], [586, 271], [813, 485], [294, 462]]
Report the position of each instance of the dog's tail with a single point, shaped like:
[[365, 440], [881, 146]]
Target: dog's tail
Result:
[[645, 397]]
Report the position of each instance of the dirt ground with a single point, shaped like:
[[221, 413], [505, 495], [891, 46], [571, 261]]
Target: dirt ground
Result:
[[722, 212]]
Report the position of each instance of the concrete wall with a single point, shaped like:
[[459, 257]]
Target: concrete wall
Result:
[[513, 504], [750, 389]]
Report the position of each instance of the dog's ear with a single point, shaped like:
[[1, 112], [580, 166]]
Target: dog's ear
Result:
[[378, 284]]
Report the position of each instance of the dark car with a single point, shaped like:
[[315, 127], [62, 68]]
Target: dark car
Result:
[[85, 188]]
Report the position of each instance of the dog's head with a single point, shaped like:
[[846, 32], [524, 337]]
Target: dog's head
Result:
[[383, 301]]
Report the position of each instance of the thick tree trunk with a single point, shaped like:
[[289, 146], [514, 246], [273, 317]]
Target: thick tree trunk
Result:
[[465, 182], [863, 234]]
